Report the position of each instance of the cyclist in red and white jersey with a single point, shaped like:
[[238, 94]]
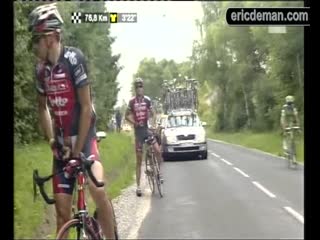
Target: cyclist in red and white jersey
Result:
[[62, 81], [139, 113]]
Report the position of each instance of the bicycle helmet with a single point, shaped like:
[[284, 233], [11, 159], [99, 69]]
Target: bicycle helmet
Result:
[[289, 99], [45, 19], [138, 81]]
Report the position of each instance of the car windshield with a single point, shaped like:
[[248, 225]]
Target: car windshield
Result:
[[183, 121]]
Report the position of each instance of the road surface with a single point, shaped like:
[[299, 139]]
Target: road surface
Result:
[[235, 193]]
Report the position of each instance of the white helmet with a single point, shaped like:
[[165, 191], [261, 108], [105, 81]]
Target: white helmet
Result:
[[289, 99], [45, 19]]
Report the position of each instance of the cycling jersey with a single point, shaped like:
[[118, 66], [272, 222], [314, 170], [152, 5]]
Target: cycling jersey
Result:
[[59, 83], [139, 107], [289, 114]]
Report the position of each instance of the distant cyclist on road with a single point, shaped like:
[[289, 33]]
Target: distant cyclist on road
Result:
[[62, 83], [289, 118], [139, 112]]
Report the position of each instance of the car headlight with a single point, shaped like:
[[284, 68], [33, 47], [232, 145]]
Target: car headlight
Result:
[[201, 137], [171, 139]]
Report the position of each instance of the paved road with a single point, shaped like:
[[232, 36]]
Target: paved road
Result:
[[235, 193]]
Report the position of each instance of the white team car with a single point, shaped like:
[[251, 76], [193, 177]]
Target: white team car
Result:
[[183, 133]]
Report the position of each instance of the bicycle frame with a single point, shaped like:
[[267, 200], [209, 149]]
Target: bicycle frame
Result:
[[81, 204]]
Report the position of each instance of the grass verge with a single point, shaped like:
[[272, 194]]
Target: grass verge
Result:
[[117, 155], [270, 142]]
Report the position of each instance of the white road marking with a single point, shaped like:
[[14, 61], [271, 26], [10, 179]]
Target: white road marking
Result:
[[227, 162], [262, 188], [240, 171], [252, 149], [295, 214], [216, 155]]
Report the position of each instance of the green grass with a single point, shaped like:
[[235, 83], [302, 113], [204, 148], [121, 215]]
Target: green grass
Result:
[[117, 155], [28, 214], [270, 142]]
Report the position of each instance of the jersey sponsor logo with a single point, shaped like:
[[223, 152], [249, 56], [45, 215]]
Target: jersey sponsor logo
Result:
[[79, 70], [58, 87], [81, 78], [59, 75], [58, 101], [60, 113], [63, 185], [72, 57], [140, 108]]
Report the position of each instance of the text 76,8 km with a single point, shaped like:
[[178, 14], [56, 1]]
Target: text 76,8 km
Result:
[[96, 18]]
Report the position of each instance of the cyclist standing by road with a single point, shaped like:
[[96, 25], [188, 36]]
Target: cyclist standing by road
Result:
[[289, 118], [118, 120], [62, 81], [139, 112]]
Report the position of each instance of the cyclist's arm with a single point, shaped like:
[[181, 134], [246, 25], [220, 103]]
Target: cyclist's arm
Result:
[[85, 118], [82, 85], [129, 116], [43, 110], [44, 117], [282, 119]]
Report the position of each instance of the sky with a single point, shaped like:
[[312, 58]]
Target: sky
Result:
[[164, 30]]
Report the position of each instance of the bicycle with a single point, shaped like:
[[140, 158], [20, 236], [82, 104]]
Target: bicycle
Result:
[[291, 146], [85, 226], [152, 165]]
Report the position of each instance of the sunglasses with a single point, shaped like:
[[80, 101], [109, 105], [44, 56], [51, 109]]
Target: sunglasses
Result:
[[139, 86], [36, 39]]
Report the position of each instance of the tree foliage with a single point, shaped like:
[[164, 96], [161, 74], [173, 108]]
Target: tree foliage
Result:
[[244, 72], [248, 69]]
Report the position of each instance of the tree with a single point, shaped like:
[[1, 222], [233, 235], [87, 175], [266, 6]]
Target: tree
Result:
[[249, 70]]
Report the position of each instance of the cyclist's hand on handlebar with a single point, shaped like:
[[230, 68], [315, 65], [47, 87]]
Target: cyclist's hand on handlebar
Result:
[[66, 153], [59, 151], [138, 124]]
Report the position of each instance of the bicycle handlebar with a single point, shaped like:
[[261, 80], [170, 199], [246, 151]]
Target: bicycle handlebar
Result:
[[39, 181]]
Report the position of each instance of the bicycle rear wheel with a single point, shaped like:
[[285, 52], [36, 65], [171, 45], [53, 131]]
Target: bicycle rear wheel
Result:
[[157, 175], [73, 229]]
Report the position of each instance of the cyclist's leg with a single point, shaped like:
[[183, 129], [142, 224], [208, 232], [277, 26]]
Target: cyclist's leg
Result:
[[62, 189], [156, 149], [99, 195], [285, 143], [139, 151]]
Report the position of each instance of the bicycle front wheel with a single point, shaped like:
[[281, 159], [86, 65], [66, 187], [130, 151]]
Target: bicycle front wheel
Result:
[[149, 172], [157, 175], [73, 229]]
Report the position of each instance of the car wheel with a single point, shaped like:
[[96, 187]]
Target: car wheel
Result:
[[164, 157], [204, 155]]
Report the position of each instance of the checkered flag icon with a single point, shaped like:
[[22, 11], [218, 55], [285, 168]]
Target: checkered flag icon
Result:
[[76, 17]]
